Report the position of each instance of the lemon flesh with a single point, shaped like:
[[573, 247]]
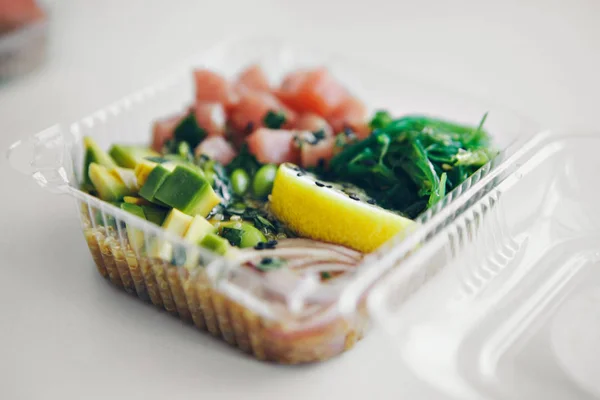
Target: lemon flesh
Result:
[[323, 211]]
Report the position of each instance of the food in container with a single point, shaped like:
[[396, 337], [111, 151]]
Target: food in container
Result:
[[256, 209]]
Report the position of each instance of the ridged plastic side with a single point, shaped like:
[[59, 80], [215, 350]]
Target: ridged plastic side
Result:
[[185, 289]]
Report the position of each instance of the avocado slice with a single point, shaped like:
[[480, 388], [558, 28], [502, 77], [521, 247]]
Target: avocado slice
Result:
[[138, 201], [135, 236], [142, 170], [188, 191], [94, 154], [176, 223], [128, 177], [130, 156], [197, 230], [248, 235], [109, 187], [155, 180], [155, 214], [215, 243]]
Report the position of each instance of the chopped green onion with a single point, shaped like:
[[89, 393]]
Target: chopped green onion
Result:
[[270, 263], [233, 236], [274, 120]]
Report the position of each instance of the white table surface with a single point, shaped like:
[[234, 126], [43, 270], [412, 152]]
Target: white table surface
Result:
[[66, 334]]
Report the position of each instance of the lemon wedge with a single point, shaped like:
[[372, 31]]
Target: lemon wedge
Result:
[[331, 213]]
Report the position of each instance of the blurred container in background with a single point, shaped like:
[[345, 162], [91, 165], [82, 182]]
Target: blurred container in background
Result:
[[23, 26]]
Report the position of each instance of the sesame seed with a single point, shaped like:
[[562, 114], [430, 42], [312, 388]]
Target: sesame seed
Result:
[[299, 174], [371, 201], [260, 246], [271, 244], [267, 260], [353, 196], [319, 184], [328, 186]]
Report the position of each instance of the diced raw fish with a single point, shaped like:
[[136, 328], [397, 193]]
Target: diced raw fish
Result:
[[254, 78], [163, 130], [217, 148], [214, 88], [312, 91], [351, 113], [313, 122], [254, 106], [211, 117], [312, 154], [273, 146]]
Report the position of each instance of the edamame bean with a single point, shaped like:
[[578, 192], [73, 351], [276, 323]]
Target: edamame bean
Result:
[[262, 183], [240, 181]]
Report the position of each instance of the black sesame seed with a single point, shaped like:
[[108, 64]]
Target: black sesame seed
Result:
[[328, 186], [271, 244], [319, 184], [296, 168], [353, 197], [299, 174], [260, 246], [267, 260], [371, 201]]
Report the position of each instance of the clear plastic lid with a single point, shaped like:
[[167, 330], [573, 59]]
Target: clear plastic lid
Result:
[[508, 299]]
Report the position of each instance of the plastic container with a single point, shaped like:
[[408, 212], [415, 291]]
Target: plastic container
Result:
[[276, 317], [511, 306]]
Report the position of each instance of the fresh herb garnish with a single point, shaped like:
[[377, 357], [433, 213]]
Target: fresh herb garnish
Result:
[[410, 163], [189, 131], [325, 275], [319, 135], [184, 150], [217, 176], [244, 160], [262, 223], [274, 120], [270, 264], [234, 236], [380, 120]]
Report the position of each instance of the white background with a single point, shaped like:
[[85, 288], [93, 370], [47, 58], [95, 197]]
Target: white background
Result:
[[65, 333]]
